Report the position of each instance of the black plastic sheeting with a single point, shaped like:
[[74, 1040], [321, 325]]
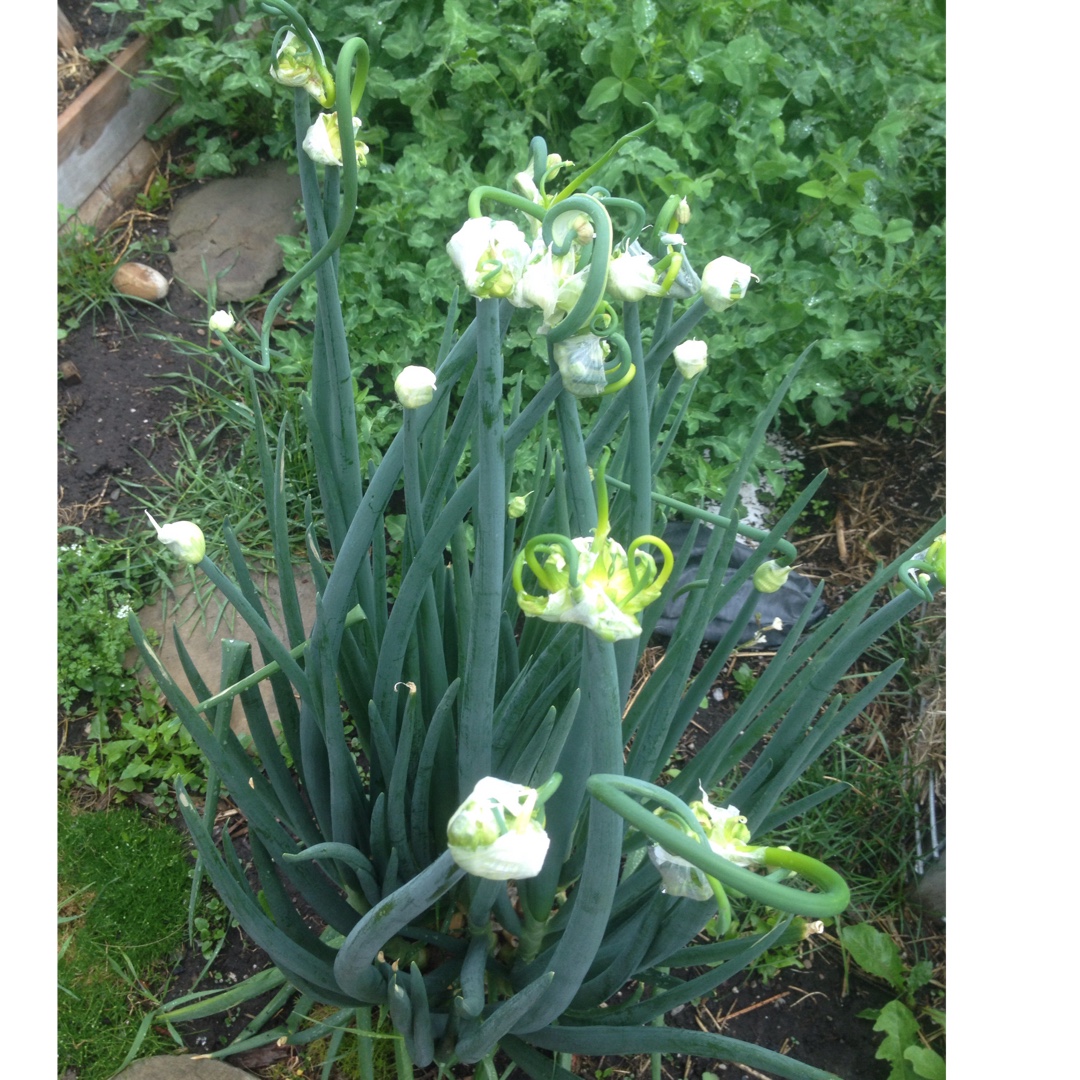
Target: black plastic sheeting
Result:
[[786, 604]]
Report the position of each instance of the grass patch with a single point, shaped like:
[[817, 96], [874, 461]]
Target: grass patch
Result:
[[123, 897]]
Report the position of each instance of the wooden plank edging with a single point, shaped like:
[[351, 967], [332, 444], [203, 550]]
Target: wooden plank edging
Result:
[[103, 124]]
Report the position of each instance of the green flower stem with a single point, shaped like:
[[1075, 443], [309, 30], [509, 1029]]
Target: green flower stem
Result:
[[591, 901], [582, 509], [478, 689], [787, 550], [355, 49], [507, 198], [833, 899], [353, 966], [593, 292], [354, 616], [601, 161]]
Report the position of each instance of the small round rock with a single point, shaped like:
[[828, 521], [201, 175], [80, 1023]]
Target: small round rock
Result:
[[141, 281]]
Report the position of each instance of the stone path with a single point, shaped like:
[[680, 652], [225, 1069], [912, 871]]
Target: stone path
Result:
[[231, 225]]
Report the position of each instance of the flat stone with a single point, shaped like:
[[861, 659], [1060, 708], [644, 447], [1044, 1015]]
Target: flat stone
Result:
[[929, 891], [204, 620], [233, 225], [181, 1067]]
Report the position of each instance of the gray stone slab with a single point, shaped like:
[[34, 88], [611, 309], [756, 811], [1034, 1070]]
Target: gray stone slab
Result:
[[204, 619], [181, 1067], [233, 225]]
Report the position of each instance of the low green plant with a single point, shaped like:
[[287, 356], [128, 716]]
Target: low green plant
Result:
[[134, 743], [123, 911], [98, 583], [490, 695], [85, 267], [906, 1047], [808, 136]]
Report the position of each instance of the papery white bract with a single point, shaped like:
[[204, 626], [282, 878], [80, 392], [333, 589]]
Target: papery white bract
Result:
[[323, 141], [415, 386], [295, 65], [724, 281], [496, 834], [691, 357], [679, 877], [580, 361], [631, 276], [490, 255], [183, 538]]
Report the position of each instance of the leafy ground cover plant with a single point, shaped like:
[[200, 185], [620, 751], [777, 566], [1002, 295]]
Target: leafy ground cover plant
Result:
[[905, 1046], [122, 921], [132, 742], [496, 861], [809, 137]]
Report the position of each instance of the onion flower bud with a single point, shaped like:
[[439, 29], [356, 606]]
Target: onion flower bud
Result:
[[691, 357], [631, 276], [323, 141], [770, 576], [935, 558], [724, 281], [295, 65], [221, 322], [610, 586], [490, 255], [415, 386], [518, 506], [727, 834], [580, 361], [498, 831], [183, 538]]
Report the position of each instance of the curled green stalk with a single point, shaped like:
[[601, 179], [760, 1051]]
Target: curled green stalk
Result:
[[621, 370], [593, 292], [508, 198], [546, 543], [354, 50], [615, 792], [635, 211]]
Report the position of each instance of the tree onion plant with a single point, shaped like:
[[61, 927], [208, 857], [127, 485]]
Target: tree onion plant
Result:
[[460, 822]]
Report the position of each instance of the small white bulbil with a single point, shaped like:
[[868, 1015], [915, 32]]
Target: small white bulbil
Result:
[[491, 256], [323, 141], [295, 65], [183, 538], [221, 322], [495, 833], [631, 277], [724, 282], [415, 386], [691, 357]]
